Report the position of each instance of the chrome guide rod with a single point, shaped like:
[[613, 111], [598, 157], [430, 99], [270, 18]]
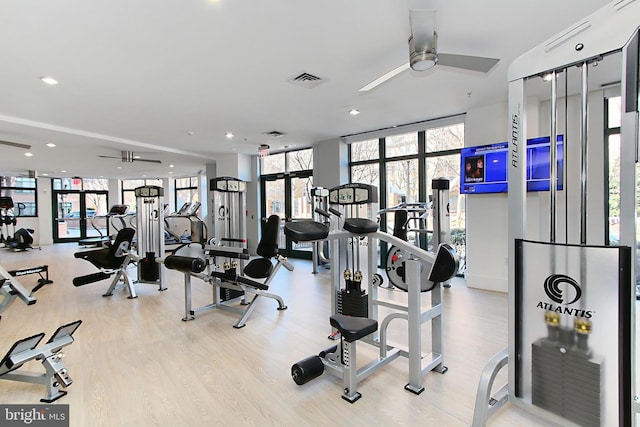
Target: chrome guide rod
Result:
[[565, 143], [553, 154], [583, 153]]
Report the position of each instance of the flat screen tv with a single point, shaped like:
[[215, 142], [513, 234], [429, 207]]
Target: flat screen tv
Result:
[[484, 168]]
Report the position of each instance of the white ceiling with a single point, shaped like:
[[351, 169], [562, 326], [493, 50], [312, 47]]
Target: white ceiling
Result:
[[140, 75]]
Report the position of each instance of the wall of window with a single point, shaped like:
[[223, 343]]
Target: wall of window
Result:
[[286, 180], [410, 161], [23, 191], [186, 191], [613, 111]]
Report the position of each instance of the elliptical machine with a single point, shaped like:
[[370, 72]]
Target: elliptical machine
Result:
[[19, 240]]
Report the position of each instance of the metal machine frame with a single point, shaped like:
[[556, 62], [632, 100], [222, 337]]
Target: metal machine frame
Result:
[[613, 28]]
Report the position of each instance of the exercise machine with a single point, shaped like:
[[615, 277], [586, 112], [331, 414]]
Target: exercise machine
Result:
[[7, 219], [41, 270], [114, 219], [319, 207], [56, 375], [572, 355], [229, 211], [184, 226], [11, 288], [111, 260], [193, 259], [150, 234], [413, 218], [18, 240], [347, 318]]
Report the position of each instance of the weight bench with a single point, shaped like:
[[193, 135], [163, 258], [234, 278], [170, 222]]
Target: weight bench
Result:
[[229, 279], [10, 289], [110, 260], [56, 374]]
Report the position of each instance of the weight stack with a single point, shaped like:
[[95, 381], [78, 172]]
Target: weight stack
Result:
[[566, 381], [353, 303], [229, 294], [148, 268]]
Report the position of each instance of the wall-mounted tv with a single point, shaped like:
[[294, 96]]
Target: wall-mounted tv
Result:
[[484, 168]]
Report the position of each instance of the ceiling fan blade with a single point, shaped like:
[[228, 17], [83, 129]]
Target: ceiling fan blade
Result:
[[147, 160], [15, 144], [384, 78], [473, 63], [423, 27]]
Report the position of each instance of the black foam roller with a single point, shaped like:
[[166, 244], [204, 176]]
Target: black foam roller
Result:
[[307, 369], [90, 278], [185, 264]]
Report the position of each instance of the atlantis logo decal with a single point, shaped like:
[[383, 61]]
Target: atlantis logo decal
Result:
[[553, 291], [553, 287]]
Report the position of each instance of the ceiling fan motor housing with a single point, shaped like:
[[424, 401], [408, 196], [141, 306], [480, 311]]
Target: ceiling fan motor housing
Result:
[[127, 156], [422, 58]]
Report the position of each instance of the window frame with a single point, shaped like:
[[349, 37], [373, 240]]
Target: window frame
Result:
[[14, 189]]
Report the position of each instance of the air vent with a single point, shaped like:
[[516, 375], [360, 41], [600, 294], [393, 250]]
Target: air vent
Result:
[[274, 134], [306, 80]]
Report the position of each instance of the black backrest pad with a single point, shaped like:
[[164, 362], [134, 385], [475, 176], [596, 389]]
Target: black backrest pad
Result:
[[124, 235], [268, 245], [445, 265], [400, 224]]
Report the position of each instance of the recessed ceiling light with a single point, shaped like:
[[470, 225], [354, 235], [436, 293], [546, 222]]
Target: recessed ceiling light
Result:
[[51, 144], [28, 154], [49, 80], [170, 166], [354, 112], [229, 135], [170, 173], [118, 167], [45, 174], [63, 171]]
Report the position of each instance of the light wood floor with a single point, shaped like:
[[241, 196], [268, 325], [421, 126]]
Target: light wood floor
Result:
[[135, 363]]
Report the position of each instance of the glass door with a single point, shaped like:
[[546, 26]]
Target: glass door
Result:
[[288, 196], [273, 201], [78, 215], [299, 205], [96, 220]]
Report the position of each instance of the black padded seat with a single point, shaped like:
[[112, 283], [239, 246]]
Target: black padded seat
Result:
[[353, 328], [106, 257], [306, 231], [360, 225], [259, 268]]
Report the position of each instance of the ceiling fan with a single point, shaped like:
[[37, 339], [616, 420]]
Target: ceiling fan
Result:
[[129, 157], [423, 52], [15, 144]]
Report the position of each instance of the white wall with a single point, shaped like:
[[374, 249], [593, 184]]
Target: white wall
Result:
[[330, 163], [487, 215]]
